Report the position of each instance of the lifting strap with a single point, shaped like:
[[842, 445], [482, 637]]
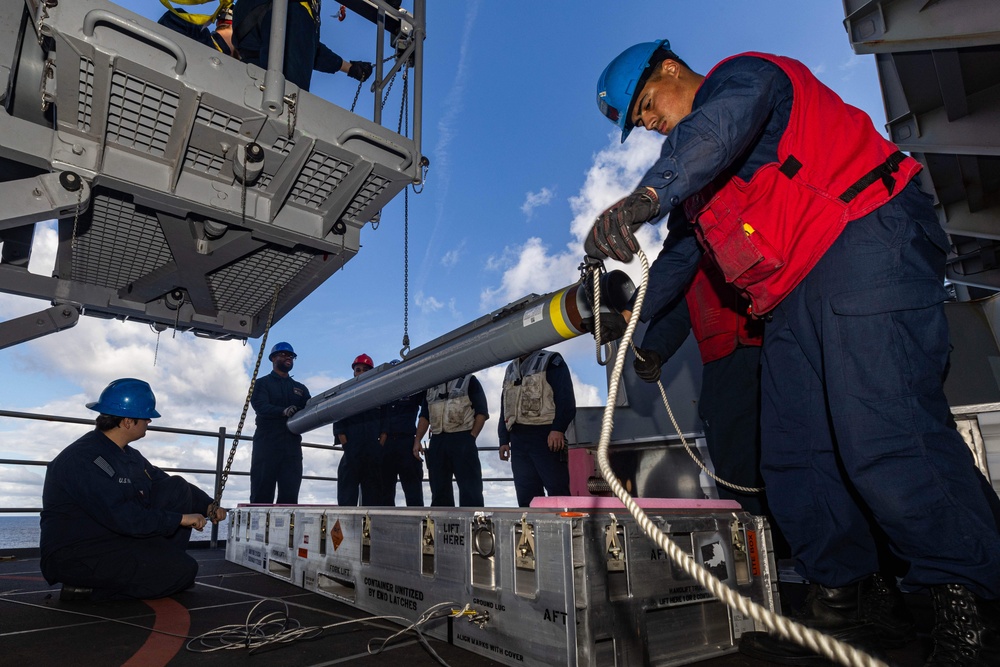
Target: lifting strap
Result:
[[197, 19]]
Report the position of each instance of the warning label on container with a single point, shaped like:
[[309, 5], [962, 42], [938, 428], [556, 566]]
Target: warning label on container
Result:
[[253, 557], [683, 595], [397, 594], [492, 648], [336, 535]]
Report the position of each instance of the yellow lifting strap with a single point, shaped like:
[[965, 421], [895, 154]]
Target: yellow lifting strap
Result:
[[197, 19]]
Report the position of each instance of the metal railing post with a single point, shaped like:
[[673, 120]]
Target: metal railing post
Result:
[[220, 457], [274, 78]]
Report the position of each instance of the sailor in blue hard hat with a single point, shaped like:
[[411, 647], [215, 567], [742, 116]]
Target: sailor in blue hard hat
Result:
[[127, 397], [276, 460], [625, 78], [113, 525], [821, 222]]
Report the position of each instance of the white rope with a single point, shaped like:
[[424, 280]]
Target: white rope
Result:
[[687, 446], [815, 641]]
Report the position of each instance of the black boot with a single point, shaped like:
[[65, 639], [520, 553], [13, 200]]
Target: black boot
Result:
[[966, 629], [883, 606], [75, 593], [833, 611]]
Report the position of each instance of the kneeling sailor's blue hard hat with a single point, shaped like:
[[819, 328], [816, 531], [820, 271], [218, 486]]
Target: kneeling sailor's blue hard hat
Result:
[[127, 397], [281, 347], [622, 80]]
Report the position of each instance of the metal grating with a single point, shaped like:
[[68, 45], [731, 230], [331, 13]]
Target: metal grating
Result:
[[106, 252], [195, 158], [247, 286], [373, 187], [140, 114], [219, 120], [85, 105], [319, 178], [283, 145], [262, 181]]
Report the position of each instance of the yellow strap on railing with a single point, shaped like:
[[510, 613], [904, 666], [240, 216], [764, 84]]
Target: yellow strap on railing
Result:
[[196, 19]]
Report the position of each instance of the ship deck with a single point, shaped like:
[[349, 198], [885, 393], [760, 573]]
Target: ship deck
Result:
[[37, 628]]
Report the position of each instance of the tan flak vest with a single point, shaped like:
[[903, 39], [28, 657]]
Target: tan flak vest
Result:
[[527, 396], [450, 407]]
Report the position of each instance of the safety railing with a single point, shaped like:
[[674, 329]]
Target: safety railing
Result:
[[222, 436]]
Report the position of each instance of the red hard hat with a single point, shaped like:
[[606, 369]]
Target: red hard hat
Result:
[[363, 359]]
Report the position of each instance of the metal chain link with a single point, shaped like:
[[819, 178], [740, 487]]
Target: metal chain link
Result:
[[357, 94], [406, 274], [76, 219], [246, 406], [403, 113], [292, 116]]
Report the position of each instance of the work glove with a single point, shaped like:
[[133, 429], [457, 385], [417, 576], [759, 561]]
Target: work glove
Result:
[[647, 364], [290, 410], [613, 234], [360, 70]]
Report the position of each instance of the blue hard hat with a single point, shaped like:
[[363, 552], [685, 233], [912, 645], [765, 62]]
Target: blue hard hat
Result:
[[622, 80], [127, 397], [281, 347]]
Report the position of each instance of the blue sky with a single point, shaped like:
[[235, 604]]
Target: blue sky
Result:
[[520, 164]]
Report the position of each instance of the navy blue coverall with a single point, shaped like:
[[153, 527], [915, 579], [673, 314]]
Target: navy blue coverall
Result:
[[111, 522], [303, 50], [277, 452], [196, 32], [537, 470], [361, 464], [456, 455], [398, 462], [729, 404], [854, 420]]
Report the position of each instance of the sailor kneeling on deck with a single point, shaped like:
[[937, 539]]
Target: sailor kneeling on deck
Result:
[[114, 526]]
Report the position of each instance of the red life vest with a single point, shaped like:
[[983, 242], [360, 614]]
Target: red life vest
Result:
[[767, 233], [719, 316]]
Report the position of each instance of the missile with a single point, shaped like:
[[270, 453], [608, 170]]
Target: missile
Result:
[[521, 327]]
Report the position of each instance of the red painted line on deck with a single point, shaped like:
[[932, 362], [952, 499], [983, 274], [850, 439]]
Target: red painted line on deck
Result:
[[159, 649], [19, 577]]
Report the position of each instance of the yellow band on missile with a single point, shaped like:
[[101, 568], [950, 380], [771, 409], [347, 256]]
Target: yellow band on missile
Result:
[[558, 320]]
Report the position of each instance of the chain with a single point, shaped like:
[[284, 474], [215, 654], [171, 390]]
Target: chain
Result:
[[156, 349], [357, 94], [406, 274], [246, 406], [403, 109], [292, 115], [76, 219]]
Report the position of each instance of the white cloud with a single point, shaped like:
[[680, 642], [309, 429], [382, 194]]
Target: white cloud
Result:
[[427, 304], [450, 258], [535, 199], [853, 62], [534, 271], [533, 268]]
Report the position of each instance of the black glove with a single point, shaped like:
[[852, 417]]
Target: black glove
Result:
[[290, 410], [647, 364], [360, 70], [613, 234]]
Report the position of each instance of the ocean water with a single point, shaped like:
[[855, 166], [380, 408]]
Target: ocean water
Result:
[[21, 532]]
